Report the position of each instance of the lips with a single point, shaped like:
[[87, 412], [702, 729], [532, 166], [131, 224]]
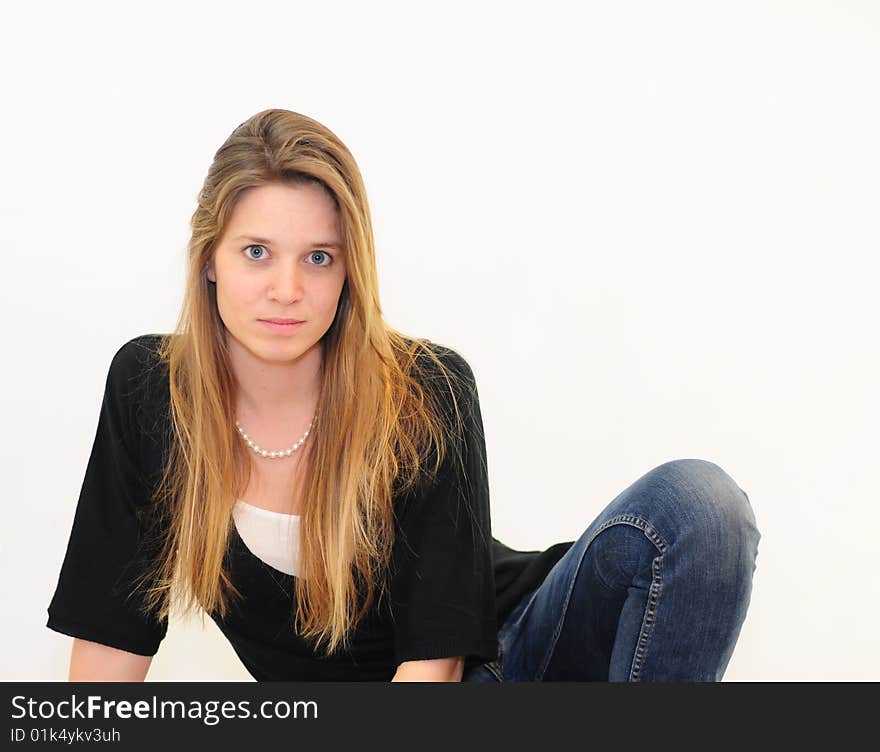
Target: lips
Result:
[[283, 321]]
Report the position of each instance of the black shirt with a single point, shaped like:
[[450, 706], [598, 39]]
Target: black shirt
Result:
[[451, 583]]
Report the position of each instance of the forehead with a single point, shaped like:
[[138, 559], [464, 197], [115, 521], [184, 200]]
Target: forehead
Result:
[[276, 210]]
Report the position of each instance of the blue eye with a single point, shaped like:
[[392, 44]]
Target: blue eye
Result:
[[323, 253], [254, 246], [263, 248]]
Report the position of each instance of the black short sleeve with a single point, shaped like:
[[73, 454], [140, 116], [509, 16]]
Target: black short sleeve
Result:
[[103, 556], [442, 581]]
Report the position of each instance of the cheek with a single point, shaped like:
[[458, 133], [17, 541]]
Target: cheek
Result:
[[241, 291], [330, 299]]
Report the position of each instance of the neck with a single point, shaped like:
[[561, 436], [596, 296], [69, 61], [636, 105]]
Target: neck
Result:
[[276, 391]]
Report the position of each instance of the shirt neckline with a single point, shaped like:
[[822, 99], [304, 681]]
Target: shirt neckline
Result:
[[240, 543], [267, 512]]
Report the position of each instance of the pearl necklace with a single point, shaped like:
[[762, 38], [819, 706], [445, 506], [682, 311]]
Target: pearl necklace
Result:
[[279, 453]]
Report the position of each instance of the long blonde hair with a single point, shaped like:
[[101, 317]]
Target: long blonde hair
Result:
[[364, 451]]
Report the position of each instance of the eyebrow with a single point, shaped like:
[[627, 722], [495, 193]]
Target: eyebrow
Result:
[[266, 241]]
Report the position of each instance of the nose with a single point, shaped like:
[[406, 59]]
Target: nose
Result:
[[286, 285]]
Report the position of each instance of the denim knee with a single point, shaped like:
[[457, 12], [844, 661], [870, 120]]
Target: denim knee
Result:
[[709, 500]]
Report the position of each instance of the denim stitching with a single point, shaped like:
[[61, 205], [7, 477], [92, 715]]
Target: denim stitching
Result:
[[653, 594], [495, 666], [649, 619]]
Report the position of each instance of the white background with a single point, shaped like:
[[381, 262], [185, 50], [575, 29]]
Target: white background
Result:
[[650, 228]]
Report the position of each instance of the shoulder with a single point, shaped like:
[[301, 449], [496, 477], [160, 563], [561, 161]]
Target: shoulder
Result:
[[137, 382], [137, 354], [137, 392], [454, 368], [447, 376], [134, 362]]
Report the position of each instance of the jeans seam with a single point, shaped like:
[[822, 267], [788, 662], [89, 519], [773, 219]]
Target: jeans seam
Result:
[[653, 595], [494, 666], [649, 618]]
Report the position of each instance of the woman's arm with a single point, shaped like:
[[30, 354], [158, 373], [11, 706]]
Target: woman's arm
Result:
[[91, 661], [435, 670], [442, 593]]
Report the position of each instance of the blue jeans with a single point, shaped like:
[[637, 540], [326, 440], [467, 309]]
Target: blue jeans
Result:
[[655, 590]]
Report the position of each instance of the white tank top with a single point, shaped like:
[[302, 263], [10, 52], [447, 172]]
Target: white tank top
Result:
[[272, 537]]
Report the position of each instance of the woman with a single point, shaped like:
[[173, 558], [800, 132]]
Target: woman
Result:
[[316, 481]]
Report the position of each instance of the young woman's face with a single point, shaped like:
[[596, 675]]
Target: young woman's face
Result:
[[281, 256]]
